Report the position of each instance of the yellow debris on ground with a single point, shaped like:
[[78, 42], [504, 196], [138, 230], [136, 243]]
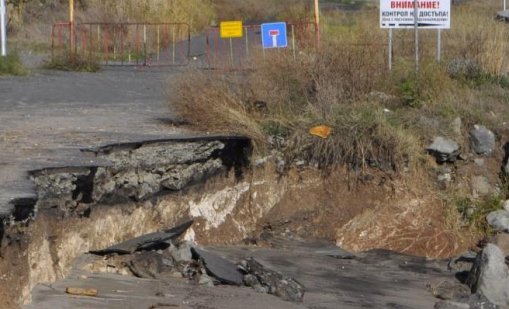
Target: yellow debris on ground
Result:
[[322, 131]]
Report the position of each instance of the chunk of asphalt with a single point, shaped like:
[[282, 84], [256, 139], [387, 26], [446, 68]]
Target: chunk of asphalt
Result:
[[221, 269], [145, 242]]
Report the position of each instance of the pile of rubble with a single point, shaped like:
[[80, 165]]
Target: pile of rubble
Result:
[[161, 256]]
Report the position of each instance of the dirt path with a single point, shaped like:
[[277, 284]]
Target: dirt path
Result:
[[47, 117]]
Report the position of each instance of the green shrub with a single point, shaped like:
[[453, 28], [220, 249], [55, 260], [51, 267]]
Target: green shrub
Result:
[[11, 65], [73, 63]]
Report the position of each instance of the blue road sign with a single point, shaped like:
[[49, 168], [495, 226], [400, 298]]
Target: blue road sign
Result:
[[274, 35]]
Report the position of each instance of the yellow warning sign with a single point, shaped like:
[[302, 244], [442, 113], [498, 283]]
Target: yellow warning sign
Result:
[[231, 29]]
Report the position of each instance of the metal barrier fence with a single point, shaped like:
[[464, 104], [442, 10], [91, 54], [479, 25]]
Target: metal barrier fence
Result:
[[60, 39], [151, 44], [236, 53]]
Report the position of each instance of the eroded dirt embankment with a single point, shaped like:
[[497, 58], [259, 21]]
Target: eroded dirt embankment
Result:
[[151, 186]]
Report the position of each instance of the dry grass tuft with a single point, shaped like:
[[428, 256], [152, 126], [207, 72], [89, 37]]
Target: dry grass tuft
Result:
[[210, 103]]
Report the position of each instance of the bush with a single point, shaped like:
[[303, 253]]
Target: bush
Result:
[[73, 63], [11, 65]]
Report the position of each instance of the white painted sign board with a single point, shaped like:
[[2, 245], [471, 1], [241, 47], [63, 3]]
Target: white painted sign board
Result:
[[432, 14]]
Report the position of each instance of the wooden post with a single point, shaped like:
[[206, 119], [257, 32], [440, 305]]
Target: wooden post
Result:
[[71, 26], [317, 21]]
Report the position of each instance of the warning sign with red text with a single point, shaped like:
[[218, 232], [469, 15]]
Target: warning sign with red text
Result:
[[400, 14]]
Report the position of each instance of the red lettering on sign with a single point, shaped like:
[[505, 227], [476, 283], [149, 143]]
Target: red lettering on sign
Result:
[[409, 4]]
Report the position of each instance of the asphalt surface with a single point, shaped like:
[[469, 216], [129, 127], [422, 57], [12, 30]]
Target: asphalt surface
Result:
[[377, 279], [47, 117]]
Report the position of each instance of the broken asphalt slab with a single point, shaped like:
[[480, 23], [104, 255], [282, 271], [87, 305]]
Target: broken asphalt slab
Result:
[[220, 268], [145, 242]]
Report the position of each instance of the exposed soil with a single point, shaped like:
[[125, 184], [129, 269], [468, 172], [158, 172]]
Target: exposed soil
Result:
[[48, 125]]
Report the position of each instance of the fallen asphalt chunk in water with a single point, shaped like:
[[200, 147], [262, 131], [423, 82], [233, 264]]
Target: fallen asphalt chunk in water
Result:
[[145, 242]]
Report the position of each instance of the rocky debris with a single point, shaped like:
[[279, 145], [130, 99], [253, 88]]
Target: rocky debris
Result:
[[142, 258], [444, 149], [480, 186], [181, 252], [445, 176], [503, 15], [222, 269], [462, 262], [501, 240], [456, 126], [506, 205], [489, 276], [269, 281], [479, 162], [482, 140], [448, 290], [145, 242], [149, 265], [499, 220]]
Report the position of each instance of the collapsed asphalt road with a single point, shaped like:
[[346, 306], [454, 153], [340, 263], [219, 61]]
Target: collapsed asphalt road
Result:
[[182, 275]]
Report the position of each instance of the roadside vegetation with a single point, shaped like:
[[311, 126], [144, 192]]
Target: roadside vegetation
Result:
[[11, 65], [379, 119], [73, 62]]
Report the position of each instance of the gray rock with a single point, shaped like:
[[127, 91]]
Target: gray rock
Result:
[[221, 269], [182, 252], [145, 242], [479, 161], [501, 240], [206, 280], [480, 186], [479, 301], [462, 262], [490, 276], [444, 149], [147, 265], [448, 290], [252, 281], [482, 140], [284, 287], [503, 15], [499, 220], [456, 126], [506, 205]]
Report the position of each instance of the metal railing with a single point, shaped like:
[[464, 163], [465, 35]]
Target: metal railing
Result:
[[150, 44]]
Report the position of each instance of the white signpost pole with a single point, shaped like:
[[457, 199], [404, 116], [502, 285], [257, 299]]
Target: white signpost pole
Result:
[[3, 25]]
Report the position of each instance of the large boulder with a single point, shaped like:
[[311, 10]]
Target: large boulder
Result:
[[499, 220], [444, 149], [482, 140], [489, 276]]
